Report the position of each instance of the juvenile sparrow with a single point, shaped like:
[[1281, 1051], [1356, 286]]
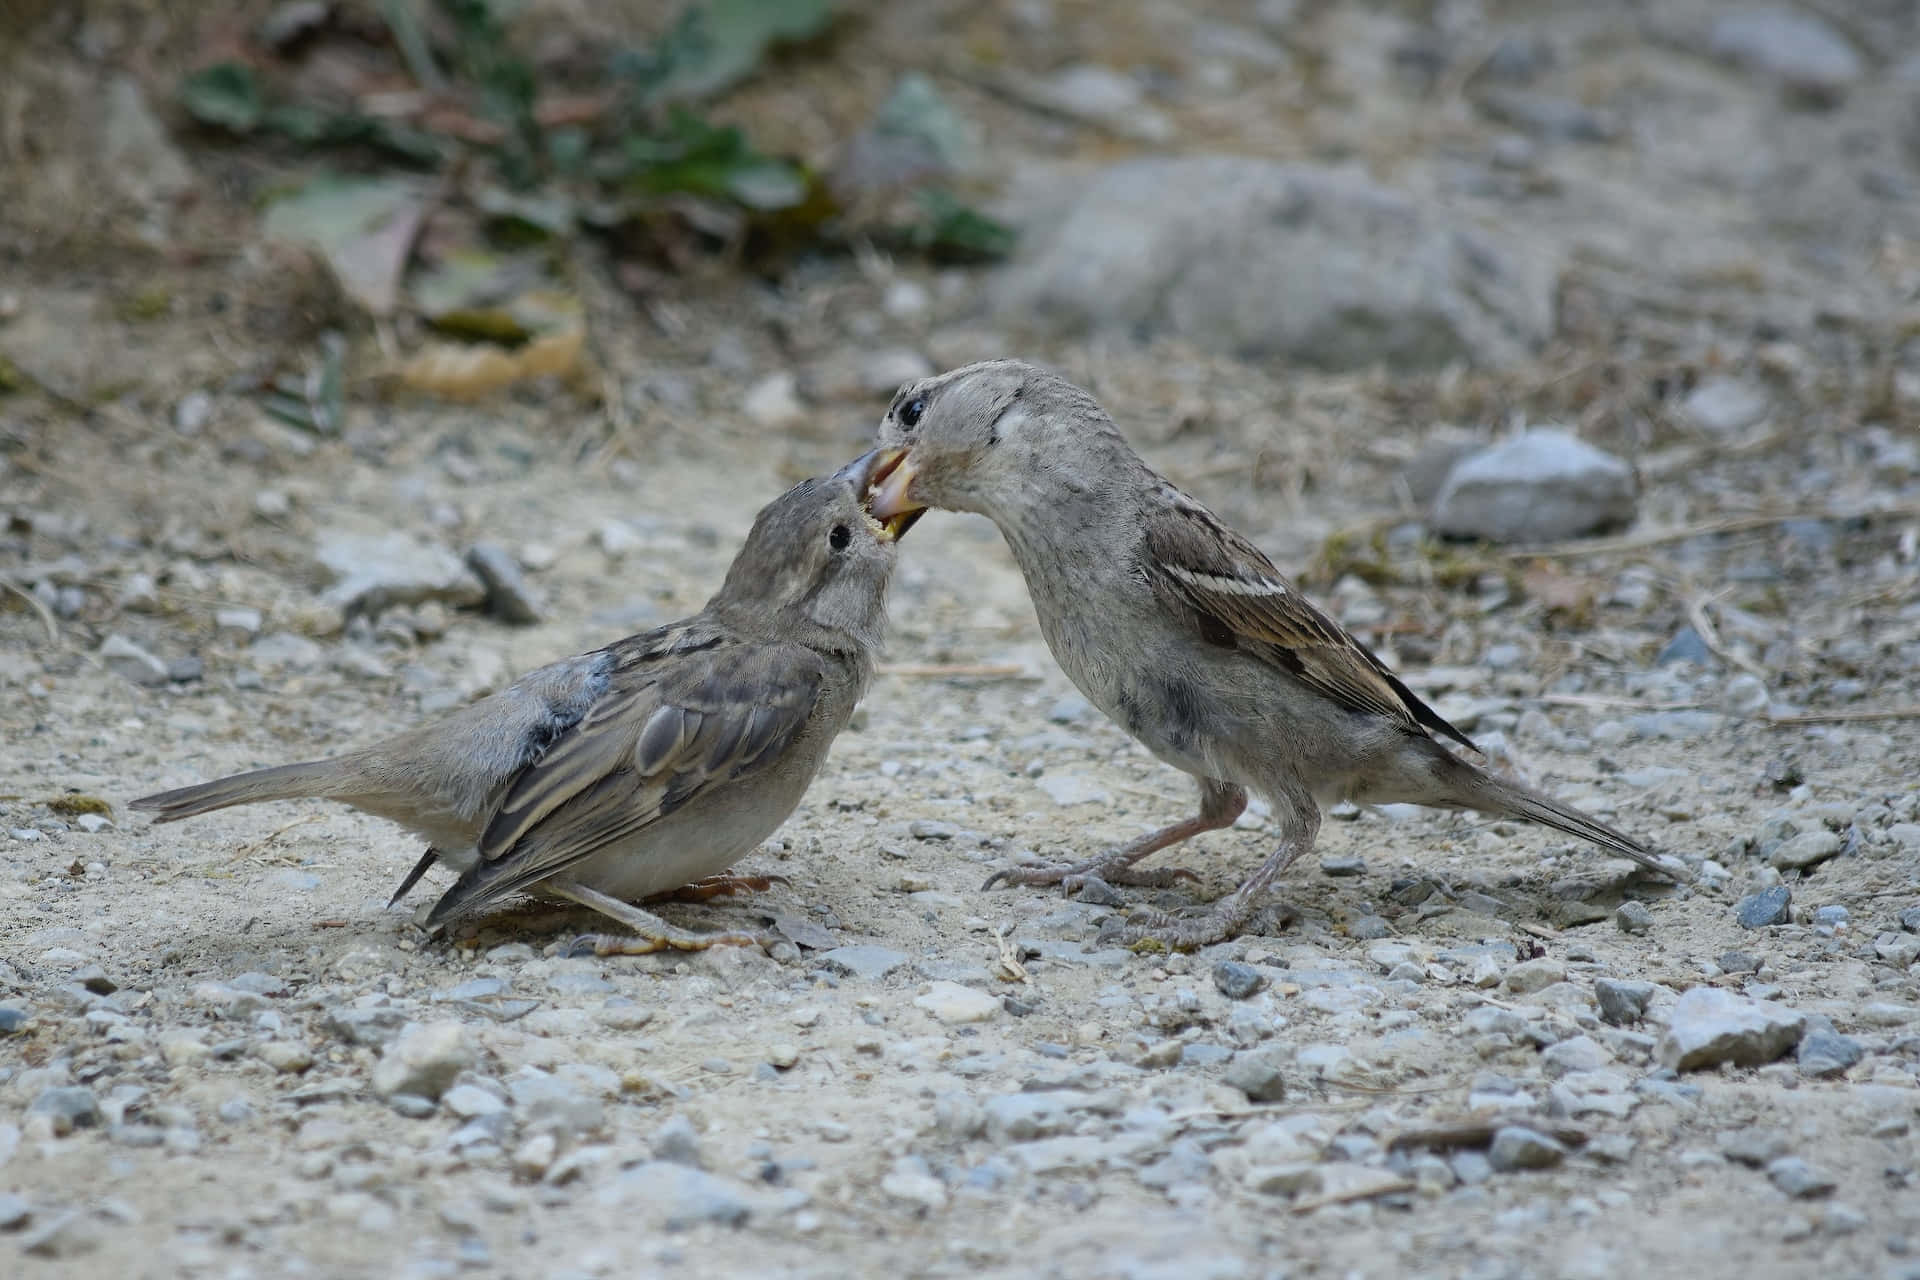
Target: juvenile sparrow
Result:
[[649, 764], [1183, 632]]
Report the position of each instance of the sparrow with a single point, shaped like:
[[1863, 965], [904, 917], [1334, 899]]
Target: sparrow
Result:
[[1184, 633], [647, 765]]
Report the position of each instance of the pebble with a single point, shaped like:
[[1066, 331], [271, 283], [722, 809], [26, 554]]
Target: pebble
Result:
[[1542, 486], [69, 1107], [1768, 907], [1809, 848], [1517, 1147], [1745, 695], [14, 1211], [423, 1059], [1800, 51], [1708, 1027], [1633, 917], [370, 572], [1260, 1073], [671, 1197], [289, 1057], [131, 662], [869, 963], [677, 1142], [932, 829], [510, 597], [1535, 975], [1799, 1179], [1722, 405], [1344, 866], [954, 1004], [63, 1235], [1067, 789], [1237, 981]]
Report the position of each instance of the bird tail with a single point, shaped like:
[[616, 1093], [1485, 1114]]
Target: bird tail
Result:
[[1476, 789], [284, 782]]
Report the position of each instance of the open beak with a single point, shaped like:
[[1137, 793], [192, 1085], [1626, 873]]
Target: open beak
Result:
[[886, 494]]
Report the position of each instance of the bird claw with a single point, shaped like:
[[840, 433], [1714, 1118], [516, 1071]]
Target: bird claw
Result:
[[1149, 929], [715, 886]]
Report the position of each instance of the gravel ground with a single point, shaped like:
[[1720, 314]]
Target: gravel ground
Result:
[[1464, 1048]]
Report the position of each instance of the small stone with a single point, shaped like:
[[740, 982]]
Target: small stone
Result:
[[1745, 695], [1069, 709], [129, 661], [1633, 917], [1709, 1026], [372, 572], [1576, 1053], [1685, 646], [1901, 950], [1831, 916], [424, 1059], [532, 1158], [272, 504], [289, 1057], [869, 963], [469, 1100], [1517, 1147], [1260, 1073], [1534, 975], [782, 1054], [1025, 1117], [954, 1004], [63, 1235], [239, 620], [912, 1181], [671, 1197], [14, 1211], [1802, 52], [1368, 928], [925, 829], [69, 1107], [678, 1142], [1067, 789], [186, 670], [1237, 981], [1768, 907], [1348, 866], [1723, 405], [1799, 1179], [1809, 848], [510, 597], [1542, 486], [138, 593], [411, 1105], [774, 401]]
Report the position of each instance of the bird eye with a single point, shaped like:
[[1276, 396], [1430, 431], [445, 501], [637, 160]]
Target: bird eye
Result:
[[840, 537], [912, 410]]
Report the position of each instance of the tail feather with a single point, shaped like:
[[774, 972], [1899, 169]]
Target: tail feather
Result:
[[283, 782], [1475, 789]]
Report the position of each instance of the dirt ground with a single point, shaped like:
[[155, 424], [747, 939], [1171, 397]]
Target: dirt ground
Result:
[[226, 988]]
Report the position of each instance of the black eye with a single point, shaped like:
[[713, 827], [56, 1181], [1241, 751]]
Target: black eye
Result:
[[912, 410], [840, 537]]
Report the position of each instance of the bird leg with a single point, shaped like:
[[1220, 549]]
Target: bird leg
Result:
[[1151, 928], [713, 886], [1220, 804], [651, 933]]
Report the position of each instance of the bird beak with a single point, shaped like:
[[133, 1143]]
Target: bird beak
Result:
[[887, 487], [865, 473]]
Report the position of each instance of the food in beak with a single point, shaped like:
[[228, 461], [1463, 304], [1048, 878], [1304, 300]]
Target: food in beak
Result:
[[886, 497]]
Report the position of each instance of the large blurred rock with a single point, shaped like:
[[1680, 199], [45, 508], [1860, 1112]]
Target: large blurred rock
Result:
[[1802, 52], [1262, 259], [1538, 487]]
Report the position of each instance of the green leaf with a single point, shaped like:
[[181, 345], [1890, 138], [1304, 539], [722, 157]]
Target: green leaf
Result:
[[225, 95], [697, 158], [915, 110], [715, 45], [958, 232]]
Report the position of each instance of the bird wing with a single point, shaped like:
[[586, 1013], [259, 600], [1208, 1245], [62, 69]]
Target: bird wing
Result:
[[1196, 561], [669, 728]]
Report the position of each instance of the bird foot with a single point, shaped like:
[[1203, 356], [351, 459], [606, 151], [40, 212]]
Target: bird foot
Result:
[[645, 944], [715, 886], [1074, 876]]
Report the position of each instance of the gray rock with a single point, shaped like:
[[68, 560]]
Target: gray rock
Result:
[[1541, 486], [1709, 1027], [1799, 1179], [1685, 646], [677, 1142], [1260, 1073], [1069, 709], [63, 1235], [1745, 695], [868, 963], [510, 597], [1900, 950], [1345, 866], [1798, 50], [932, 829], [69, 1106], [1576, 1053], [1096, 94], [1237, 981], [1754, 1147], [554, 1104], [1768, 907], [675, 1197], [371, 572], [1808, 849], [1831, 916], [129, 661], [1517, 1147], [1910, 919], [1549, 118], [1534, 975], [15, 1210], [1633, 917], [1023, 1117], [1723, 405], [423, 1059], [371, 1027], [1265, 260]]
